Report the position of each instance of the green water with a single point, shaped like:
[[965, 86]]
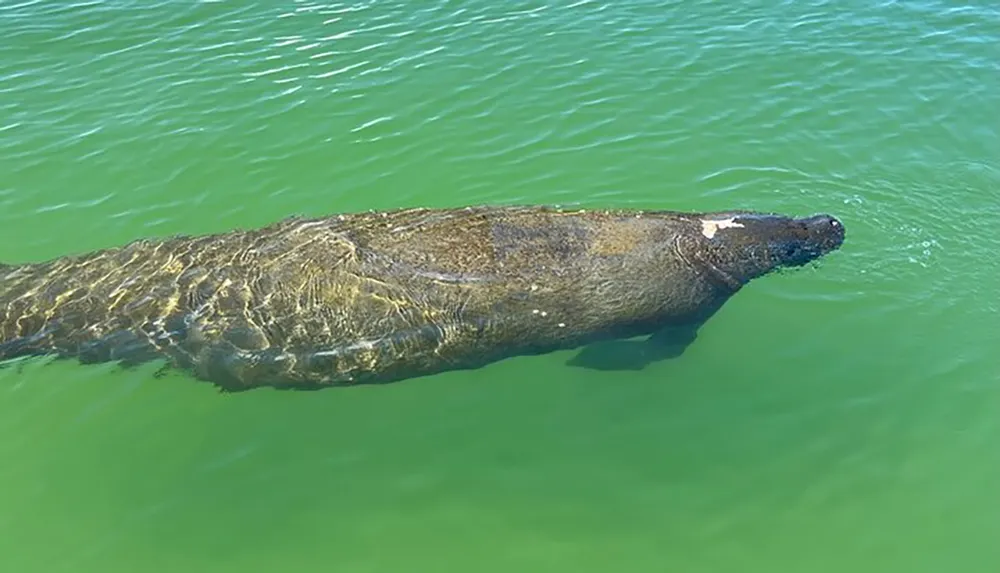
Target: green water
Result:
[[844, 417]]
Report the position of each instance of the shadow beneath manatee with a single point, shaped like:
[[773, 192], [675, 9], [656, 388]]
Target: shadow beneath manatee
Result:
[[634, 355]]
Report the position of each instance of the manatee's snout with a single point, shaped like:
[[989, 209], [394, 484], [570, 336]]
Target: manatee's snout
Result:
[[827, 231], [806, 239]]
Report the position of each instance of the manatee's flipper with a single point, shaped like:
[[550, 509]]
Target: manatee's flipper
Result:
[[670, 342]]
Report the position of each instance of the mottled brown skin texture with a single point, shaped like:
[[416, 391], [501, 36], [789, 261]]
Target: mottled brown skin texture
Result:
[[382, 296]]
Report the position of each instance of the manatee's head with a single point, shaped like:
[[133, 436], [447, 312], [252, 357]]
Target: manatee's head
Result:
[[742, 246]]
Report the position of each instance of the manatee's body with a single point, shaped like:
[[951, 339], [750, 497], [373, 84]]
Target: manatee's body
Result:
[[382, 296]]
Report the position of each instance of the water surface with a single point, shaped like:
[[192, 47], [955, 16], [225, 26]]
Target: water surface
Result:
[[843, 417]]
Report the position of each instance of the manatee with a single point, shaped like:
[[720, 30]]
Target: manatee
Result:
[[382, 296]]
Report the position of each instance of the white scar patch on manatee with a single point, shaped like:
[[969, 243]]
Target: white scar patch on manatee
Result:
[[709, 228]]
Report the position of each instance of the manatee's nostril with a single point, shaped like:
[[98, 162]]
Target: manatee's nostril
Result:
[[831, 230], [837, 226]]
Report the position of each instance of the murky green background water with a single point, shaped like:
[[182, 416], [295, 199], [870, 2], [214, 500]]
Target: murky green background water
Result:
[[839, 418]]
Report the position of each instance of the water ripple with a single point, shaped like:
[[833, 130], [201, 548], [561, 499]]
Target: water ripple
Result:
[[363, 83], [357, 56], [124, 118]]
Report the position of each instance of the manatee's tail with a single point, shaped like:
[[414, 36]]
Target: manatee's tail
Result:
[[21, 335], [33, 322], [10, 346]]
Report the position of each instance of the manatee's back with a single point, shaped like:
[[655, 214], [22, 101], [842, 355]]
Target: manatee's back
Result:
[[515, 280], [411, 291], [371, 296]]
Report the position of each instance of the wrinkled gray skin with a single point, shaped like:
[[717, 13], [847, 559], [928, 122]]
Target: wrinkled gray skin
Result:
[[383, 296]]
